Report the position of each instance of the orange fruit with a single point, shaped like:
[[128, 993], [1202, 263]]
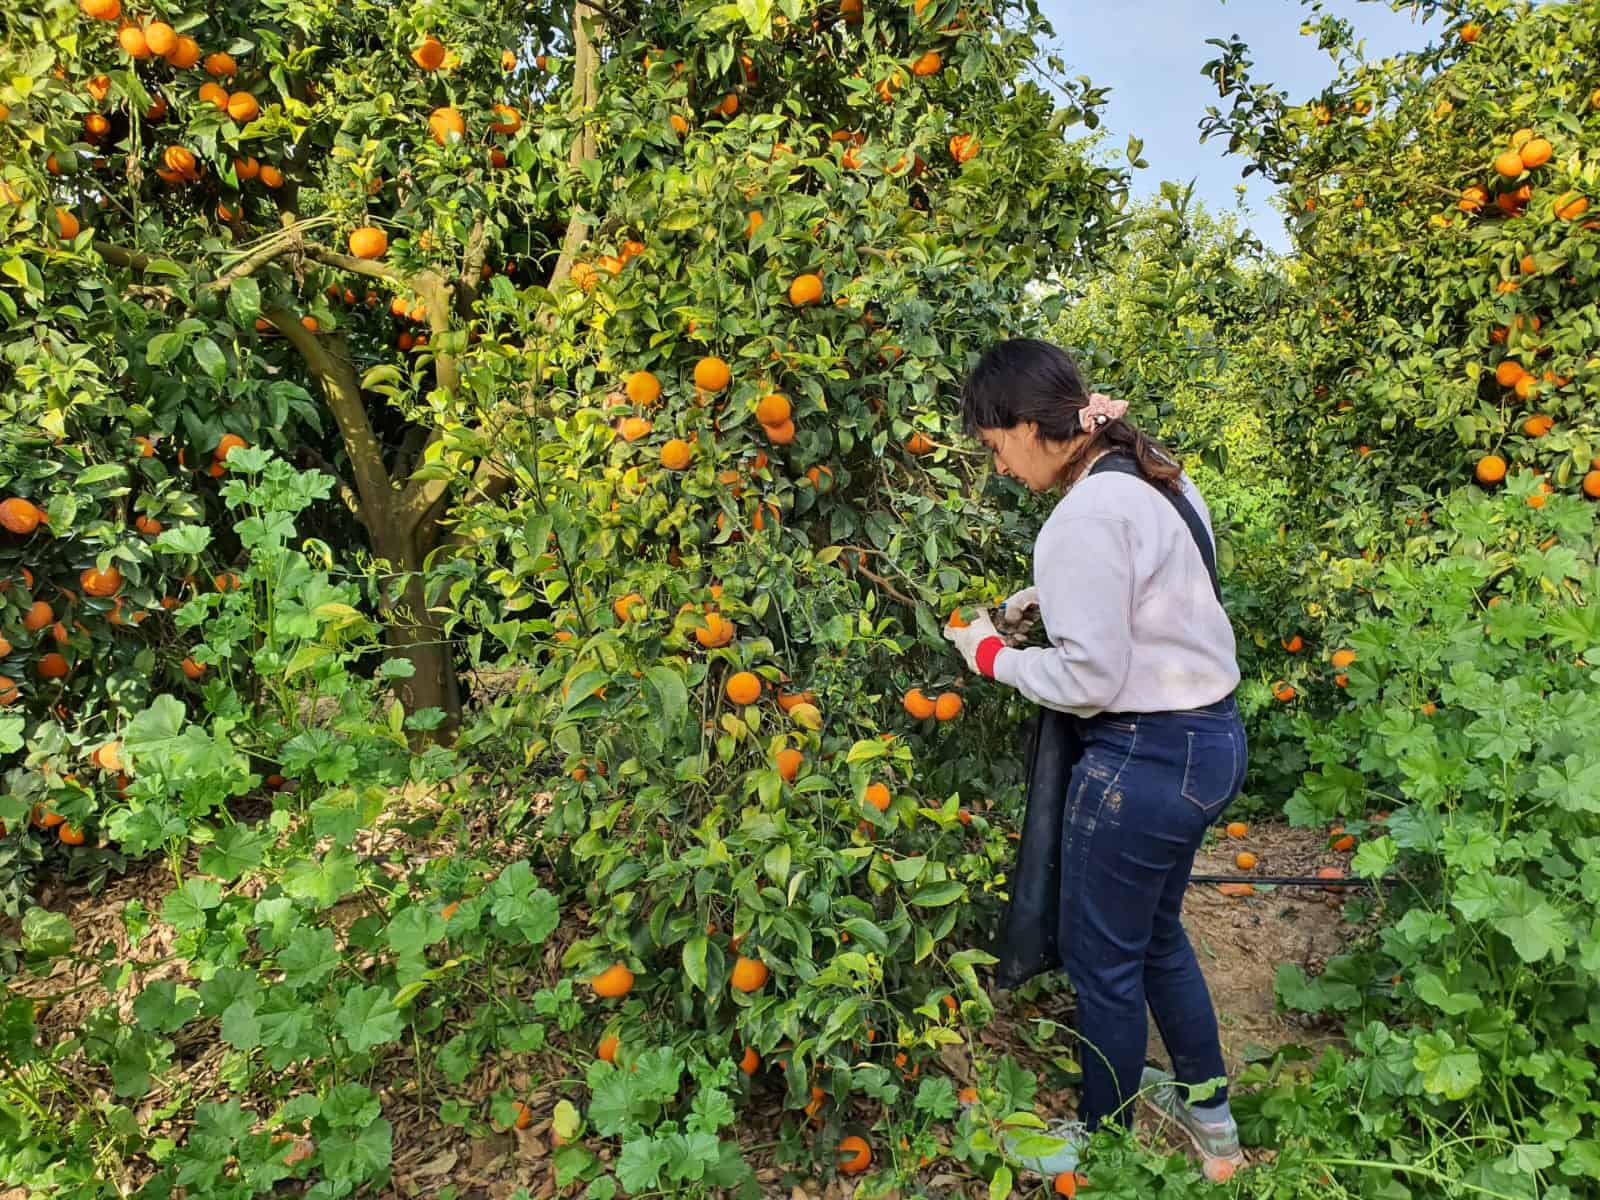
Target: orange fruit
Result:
[[634, 428], [96, 582], [616, 980], [751, 1061], [1470, 32], [1537, 425], [675, 454], [607, 1051], [643, 388], [1508, 164], [133, 42], [1491, 469], [1236, 890], [38, 616], [1345, 844], [878, 796], [1536, 152], [918, 705], [1569, 206], [728, 105], [226, 445], [193, 669], [508, 60], [679, 125], [1293, 644], [788, 762], [965, 146], [243, 108], [8, 691], [806, 289], [749, 974], [68, 224], [1244, 860], [1591, 484], [101, 10], [52, 666], [1237, 829], [368, 242], [743, 687], [753, 222], [429, 54], [1342, 659], [70, 835], [773, 409], [184, 54], [711, 374], [108, 757], [446, 121], [854, 1154], [523, 1117], [1472, 199], [947, 707], [1508, 372], [507, 119], [20, 516], [1065, 1184], [221, 65]]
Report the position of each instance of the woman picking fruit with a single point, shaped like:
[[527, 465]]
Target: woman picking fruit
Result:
[[1141, 654]]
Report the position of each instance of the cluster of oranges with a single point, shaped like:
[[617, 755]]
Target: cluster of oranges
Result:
[[944, 707], [1526, 153]]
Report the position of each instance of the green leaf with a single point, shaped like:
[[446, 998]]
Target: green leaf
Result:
[[185, 908], [1001, 1184], [866, 750], [1534, 927], [104, 473], [694, 960], [367, 1017], [46, 933], [209, 357], [1446, 1069], [235, 849], [244, 302], [670, 694], [163, 348], [310, 957], [936, 895]]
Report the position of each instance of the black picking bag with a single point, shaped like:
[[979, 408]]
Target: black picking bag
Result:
[[1027, 943]]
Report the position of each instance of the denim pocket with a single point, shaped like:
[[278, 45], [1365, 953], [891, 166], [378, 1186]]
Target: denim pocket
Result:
[[1211, 768]]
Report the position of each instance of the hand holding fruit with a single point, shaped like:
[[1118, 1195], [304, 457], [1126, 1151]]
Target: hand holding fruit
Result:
[[967, 638]]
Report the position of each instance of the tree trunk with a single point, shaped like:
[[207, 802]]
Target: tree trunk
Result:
[[412, 632]]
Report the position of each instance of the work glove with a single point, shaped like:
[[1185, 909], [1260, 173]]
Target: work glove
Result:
[[970, 637], [1017, 615]]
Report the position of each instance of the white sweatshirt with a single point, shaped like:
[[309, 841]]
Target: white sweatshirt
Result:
[[1127, 605]]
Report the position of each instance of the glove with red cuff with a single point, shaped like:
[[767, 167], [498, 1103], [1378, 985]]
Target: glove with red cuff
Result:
[[979, 643]]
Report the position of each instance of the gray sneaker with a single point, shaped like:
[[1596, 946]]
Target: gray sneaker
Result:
[[1217, 1141], [1074, 1136]]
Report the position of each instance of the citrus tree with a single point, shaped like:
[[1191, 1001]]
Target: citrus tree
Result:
[[1442, 400], [628, 336]]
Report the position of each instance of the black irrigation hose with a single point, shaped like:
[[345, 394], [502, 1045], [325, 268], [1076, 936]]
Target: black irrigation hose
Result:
[[1295, 880]]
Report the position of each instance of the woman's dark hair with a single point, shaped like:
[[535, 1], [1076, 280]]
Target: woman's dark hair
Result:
[[1026, 379]]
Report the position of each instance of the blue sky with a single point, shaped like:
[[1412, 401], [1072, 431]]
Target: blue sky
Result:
[[1149, 53]]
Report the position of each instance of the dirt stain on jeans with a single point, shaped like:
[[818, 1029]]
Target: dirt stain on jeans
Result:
[[1112, 808]]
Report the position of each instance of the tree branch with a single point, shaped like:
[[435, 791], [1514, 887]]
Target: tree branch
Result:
[[471, 269], [585, 93], [343, 390]]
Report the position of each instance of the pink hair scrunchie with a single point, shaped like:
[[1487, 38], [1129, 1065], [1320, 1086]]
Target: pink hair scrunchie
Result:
[[1100, 410]]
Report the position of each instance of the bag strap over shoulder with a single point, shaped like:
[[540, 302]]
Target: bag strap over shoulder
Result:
[[1124, 464]]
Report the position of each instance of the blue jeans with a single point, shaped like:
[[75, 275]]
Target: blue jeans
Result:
[[1138, 804]]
